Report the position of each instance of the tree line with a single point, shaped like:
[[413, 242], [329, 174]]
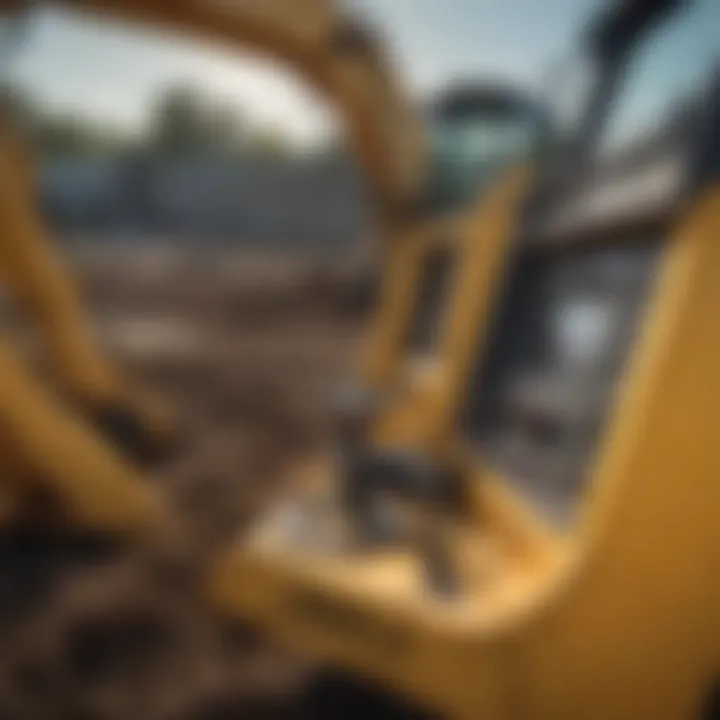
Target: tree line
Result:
[[183, 120]]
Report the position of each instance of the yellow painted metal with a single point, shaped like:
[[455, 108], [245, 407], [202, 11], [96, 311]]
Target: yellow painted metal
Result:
[[616, 618], [387, 359], [39, 281], [637, 616], [58, 459], [431, 387], [385, 346]]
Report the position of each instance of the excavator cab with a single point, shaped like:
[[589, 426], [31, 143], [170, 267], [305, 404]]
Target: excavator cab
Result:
[[476, 131], [550, 549]]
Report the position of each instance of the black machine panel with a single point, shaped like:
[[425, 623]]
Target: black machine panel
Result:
[[582, 267], [539, 397], [435, 281]]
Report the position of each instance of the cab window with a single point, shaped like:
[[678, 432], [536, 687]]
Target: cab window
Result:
[[469, 153]]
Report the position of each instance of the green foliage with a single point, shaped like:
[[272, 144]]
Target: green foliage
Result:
[[183, 121], [69, 135], [179, 123], [54, 133]]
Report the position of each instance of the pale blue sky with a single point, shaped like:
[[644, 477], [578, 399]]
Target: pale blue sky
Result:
[[112, 72]]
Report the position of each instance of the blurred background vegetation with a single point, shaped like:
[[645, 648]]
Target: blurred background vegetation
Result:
[[183, 121]]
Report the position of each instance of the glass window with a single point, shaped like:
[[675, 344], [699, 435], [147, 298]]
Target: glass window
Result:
[[470, 152], [539, 397], [582, 330], [570, 87], [663, 80]]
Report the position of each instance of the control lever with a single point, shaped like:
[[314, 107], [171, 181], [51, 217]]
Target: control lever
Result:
[[441, 574], [433, 488], [354, 407]]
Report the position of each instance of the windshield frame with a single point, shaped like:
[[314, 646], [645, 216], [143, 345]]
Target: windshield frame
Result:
[[608, 46]]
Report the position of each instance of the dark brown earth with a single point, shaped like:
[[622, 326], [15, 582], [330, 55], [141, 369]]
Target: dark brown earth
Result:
[[245, 348]]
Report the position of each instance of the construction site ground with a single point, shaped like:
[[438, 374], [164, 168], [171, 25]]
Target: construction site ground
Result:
[[245, 347]]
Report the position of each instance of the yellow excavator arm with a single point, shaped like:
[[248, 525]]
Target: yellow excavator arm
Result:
[[325, 47]]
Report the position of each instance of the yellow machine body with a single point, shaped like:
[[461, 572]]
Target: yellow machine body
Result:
[[38, 281], [610, 613], [429, 382], [615, 617]]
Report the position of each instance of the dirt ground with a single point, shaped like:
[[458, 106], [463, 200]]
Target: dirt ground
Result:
[[246, 348]]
